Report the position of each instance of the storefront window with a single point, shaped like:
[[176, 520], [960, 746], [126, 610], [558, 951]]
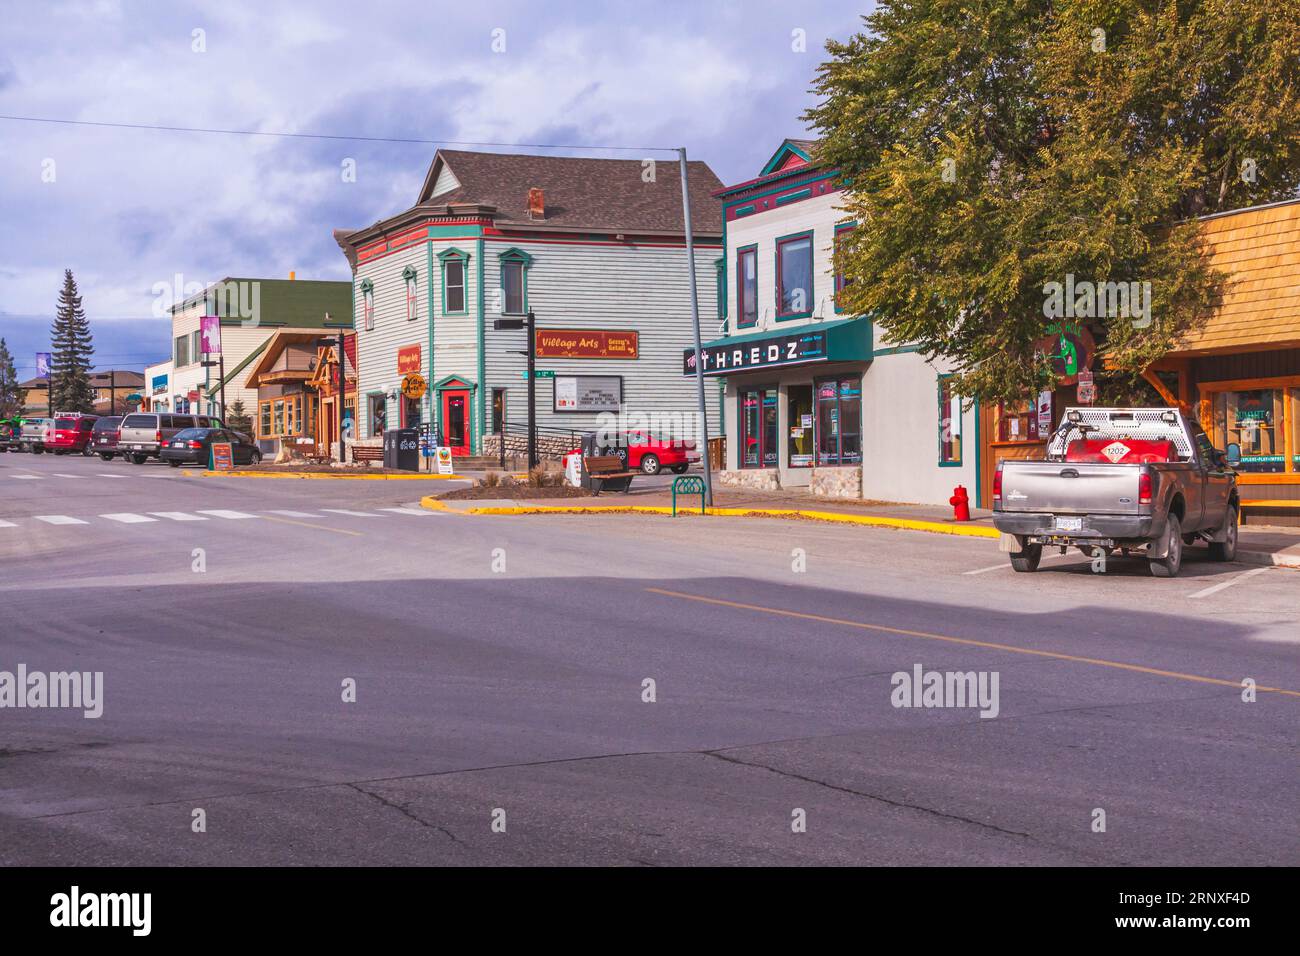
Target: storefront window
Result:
[[802, 431], [1016, 421], [1255, 419], [949, 423], [839, 422], [264, 425], [758, 433], [377, 415]]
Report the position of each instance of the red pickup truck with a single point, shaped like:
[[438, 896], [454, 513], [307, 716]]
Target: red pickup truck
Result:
[[71, 433]]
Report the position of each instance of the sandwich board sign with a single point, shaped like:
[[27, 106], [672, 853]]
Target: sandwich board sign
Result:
[[444, 460], [223, 456]]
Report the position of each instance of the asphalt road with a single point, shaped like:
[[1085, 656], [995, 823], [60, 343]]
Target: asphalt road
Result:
[[499, 666]]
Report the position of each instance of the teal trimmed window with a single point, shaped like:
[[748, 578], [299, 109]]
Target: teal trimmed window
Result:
[[515, 264], [412, 302], [842, 281], [949, 424], [368, 305], [455, 272], [794, 276], [720, 276], [747, 287]]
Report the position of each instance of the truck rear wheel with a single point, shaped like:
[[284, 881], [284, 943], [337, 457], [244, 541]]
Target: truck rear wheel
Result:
[[1027, 560], [1226, 550], [1167, 567]]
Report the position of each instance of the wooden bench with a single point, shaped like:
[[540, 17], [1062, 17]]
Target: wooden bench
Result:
[[608, 470], [1287, 503], [367, 453]]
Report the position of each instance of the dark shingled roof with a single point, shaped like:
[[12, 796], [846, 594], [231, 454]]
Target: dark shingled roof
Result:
[[599, 194]]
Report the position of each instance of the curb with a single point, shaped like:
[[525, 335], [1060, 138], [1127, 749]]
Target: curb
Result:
[[907, 524], [1263, 558], [313, 474]]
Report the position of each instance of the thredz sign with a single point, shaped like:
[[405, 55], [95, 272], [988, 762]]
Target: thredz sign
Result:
[[793, 349]]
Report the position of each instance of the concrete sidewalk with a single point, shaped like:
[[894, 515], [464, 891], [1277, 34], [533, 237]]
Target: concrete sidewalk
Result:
[[1258, 545]]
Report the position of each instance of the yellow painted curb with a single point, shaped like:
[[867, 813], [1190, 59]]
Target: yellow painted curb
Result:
[[876, 521], [312, 474]]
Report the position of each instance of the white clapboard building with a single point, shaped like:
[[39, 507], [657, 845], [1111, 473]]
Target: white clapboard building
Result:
[[594, 247]]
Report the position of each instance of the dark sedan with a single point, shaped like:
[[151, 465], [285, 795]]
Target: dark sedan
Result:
[[193, 446]]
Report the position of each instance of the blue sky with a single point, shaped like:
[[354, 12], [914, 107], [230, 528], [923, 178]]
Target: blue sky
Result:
[[128, 209]]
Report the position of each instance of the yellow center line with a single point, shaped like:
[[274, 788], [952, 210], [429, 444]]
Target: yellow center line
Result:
[[318, 527], [1056, 655]]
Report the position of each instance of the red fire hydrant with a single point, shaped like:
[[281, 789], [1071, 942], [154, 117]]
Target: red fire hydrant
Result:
[[960, 502]]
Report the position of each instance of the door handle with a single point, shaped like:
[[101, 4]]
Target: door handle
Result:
[[1069, 473]]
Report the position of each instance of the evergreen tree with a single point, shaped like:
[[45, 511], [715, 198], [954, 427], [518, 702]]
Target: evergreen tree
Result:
[[11, 398], [238, 419], [993, 148], [70, 389]]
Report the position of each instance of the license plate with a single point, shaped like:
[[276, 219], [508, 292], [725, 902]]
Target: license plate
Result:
[[1069, 524]]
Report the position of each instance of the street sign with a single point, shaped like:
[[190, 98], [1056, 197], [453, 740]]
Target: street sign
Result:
[[507, 325], [540, 373], [223, 456]]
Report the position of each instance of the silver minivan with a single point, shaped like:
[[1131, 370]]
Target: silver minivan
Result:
[[142, 434]]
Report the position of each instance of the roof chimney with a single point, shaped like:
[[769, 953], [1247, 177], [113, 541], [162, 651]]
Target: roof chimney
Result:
[[536, 204]]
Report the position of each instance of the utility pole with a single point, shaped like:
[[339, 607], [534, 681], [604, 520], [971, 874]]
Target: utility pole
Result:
[[695, 320], [532, 392], [529, 323], [112, 391], [221, 369]]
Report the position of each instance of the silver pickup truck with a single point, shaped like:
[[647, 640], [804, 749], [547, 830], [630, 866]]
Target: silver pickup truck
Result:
[[1126, 479]]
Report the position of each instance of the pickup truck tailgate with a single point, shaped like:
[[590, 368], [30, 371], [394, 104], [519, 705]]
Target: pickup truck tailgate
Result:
[[1070, 488]]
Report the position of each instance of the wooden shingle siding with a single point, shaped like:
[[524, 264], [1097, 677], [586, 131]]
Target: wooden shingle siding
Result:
[[1259, 249]]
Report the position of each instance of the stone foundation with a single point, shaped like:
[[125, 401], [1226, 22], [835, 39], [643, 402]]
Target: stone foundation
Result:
[[751, 479], [548, 446], [837, 482]]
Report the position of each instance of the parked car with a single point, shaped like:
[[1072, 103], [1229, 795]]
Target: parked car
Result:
[[1127, 479], [34, 433], [103, 438], [143, 434], [11, 430], [193, 446], [651, 452], [70, 434]]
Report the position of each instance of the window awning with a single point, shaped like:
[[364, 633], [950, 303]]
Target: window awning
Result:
[[842, 340]]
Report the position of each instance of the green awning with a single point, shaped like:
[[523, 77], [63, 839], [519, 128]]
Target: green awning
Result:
[[841, 340]]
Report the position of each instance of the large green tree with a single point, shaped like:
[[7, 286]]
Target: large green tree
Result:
[[11, 396], [992, 147], [70, 389]]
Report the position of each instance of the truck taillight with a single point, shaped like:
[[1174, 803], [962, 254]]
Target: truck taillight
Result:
[[1144, 488], [157, 436], [997, 484]]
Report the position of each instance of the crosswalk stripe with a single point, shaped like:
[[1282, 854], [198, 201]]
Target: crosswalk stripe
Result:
[[106, 475], [354, 514], [295, 514], [28, 477], [125, 517], [7, 524], [177, 516], [61, 475], [227, 514], [59, 519], [420, 512]]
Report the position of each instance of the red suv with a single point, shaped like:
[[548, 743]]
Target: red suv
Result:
[[71, 433], [650, 452]]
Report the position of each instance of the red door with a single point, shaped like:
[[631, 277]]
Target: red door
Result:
[[455, 421]]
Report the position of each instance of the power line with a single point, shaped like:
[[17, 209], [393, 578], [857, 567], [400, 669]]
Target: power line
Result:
[[330, 136]]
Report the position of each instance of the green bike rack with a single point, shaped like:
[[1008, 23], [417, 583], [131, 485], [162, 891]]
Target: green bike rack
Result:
[[688, 485]]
